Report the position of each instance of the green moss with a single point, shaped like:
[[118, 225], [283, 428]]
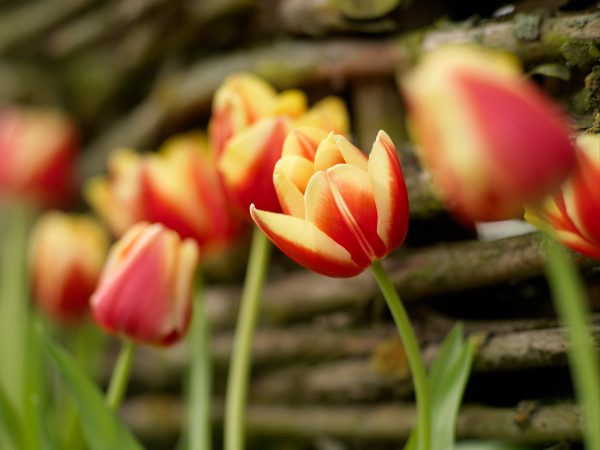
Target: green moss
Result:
[[527, 27], [592, 90], [578, 53]]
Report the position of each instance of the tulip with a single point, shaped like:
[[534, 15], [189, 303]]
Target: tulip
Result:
[[177, 186], [181, 190], [490, 138], [118, 198], [37, 155], [145, 290], [341, 211], [573, 213], [248, 128], [242, 100], [66, 256]]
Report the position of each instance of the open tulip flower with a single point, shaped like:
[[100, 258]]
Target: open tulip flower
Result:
[[242, 100], [177, 186], [37, 156], [573, 213], [66, 256], [145, 290], [490, 138], [117, 198], [341, 211], [249, 125]]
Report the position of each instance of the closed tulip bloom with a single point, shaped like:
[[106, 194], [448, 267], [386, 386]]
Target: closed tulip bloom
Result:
[[66, 256], [341, 211], [573, 213], [490, 138], [37, 156], [145, 290]]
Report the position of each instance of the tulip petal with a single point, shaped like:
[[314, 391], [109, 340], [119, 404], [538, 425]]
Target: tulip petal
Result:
[[329, 114], [303, 141], [306, 244], [336, 149], [340, 202], [292, 103], [290, 177], [248, 161], [389, 192]]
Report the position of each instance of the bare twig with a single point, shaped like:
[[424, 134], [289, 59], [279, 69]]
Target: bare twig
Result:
[[156, 417], [334, 61]]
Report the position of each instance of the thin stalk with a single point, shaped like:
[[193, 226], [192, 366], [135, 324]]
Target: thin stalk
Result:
[[239, 368], [14, 305], [569, 298], [200, 377], [120, 376], [411, 346]]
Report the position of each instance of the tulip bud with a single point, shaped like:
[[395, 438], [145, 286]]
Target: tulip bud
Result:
[[490, 138], [181, 189], [118, 198], [145, 290], [573, 213], [66, 256], [341, 211], [37, 156]]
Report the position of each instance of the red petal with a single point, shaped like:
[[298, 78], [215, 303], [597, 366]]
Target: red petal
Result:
[[304, 243], [340, 202], [389, 192]]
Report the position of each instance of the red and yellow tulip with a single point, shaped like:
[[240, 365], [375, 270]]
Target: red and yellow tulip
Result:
[[145, 291], [66, 256], [37, 156], [177, 186], [573, 213], [341, 211], [117, 198], [490, 138], [249, 124]]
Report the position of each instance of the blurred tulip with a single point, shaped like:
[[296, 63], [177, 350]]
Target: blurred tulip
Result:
[[242, 100], [573, 213], [250, 122], [342, 211], [177, 186], [66, 256], [37, 155], [145, 290], [490, 138], [181, 190], [117, 198]]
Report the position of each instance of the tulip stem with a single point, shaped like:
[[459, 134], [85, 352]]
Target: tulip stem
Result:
[[120, 376], [200, 377], [415, 360], [569, 298], [239, 368]]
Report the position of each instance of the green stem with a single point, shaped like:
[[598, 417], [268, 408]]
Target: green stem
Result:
[[200, 377], [570, 301], [120, 376], [14, 305], [239, 369], [415, 360]]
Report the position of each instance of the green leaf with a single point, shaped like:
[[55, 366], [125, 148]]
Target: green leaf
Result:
[[101, 427], [447, 381], [10, 422]]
